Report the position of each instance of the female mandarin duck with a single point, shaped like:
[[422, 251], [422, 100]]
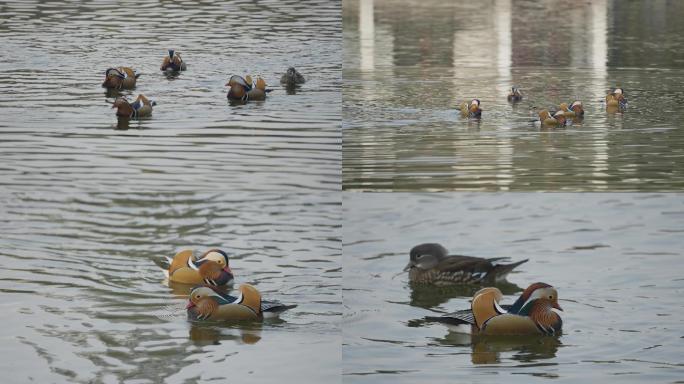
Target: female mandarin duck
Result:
[[243, 90], [211, 268], [574, 110], [431, 263], [207, 303], [471, 110], [142, 107], [120, 78], [558, 118], [173, 62], [292, 78], [515, 95], [616, 98], [531, 314]]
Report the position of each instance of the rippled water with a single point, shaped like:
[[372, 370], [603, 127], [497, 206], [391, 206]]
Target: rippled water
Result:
[[408, 66], [613, 257], [84, 301], [58, 128], [89, 204]]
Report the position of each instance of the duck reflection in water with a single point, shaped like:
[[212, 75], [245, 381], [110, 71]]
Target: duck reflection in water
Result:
[[212, 334], [487, 349], [427, 296]]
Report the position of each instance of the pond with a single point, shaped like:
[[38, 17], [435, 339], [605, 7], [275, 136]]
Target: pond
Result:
[[612, 257], [409, 64]]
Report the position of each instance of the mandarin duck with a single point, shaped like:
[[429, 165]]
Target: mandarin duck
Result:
[[173, 62], [142, 107], [211, 268], [547, 119], [471, 109], [242, 89], [431, 263], [292, 78], [574, 110], [616, 98], [120, 78], [515, 95], [208, 303], [531, 314]]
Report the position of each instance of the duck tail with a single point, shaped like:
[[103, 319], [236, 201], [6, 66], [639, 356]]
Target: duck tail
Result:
[[501, 270], [274, 309]]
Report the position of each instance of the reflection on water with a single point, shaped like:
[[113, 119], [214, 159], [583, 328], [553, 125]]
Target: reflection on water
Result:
[[409, 65], [429, 296], [612, 257]]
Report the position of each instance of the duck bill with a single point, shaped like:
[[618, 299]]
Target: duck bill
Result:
[[190, 305], [409, 266], [558, 307], [228, 270]]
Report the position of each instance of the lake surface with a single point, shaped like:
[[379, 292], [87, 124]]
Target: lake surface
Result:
[[615, 259], [89, 204], [409, 64], [58, 127]]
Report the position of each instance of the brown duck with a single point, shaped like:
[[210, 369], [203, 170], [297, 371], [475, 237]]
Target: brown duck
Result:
[[431, 263]]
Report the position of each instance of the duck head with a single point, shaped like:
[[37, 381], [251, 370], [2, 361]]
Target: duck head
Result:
[[533, 292], [576, 107], [426, 256], [515, 91], [214, 267], [474, 105], [560, 116], [123, 107], [113, 78]]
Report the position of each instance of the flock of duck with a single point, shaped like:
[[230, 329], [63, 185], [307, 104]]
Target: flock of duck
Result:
[[241, 89], [531, 314], [615, 101], [211, 276]]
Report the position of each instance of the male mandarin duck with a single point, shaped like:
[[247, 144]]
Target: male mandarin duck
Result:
[[515, 95], [545, 118], [471, 109], [243, 90], [574, 110], [120, 78], [207, 303], [431, 263], [292, 78], [616, 98], [211, 268], [531, 314], [142, 107], [173, 62]]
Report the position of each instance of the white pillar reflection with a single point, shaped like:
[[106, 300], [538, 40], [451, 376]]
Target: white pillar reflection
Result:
[[367, 32], [599, 67]]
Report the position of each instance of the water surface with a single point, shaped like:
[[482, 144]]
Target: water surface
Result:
[[615, 259], [89, 204], [57, 127], [408, 66]]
